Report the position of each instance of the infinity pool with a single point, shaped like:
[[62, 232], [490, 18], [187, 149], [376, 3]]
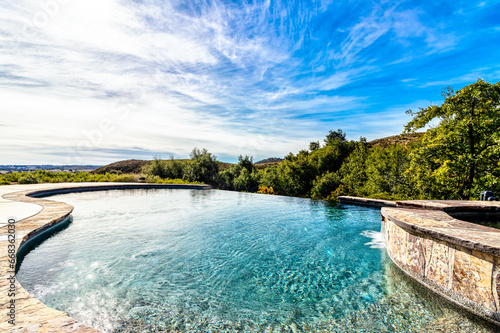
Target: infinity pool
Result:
[[218, 261]]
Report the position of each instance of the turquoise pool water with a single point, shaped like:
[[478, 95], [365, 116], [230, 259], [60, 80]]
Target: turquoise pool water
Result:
[[218, 261]]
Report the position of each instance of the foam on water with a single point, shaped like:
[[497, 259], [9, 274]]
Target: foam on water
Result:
[[377, 241]]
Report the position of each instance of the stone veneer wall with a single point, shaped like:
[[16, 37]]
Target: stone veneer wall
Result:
[[467, 277]]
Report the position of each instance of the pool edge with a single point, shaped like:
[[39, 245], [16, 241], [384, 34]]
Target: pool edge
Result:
[[457, 260]]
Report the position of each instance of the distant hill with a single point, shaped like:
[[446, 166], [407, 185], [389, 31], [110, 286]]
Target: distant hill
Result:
[[48, 167], [396, 140], [269, 160], [135, 166], [127, 166], [262, 164], [224, 165]]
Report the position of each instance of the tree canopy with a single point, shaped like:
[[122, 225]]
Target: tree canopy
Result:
[[459, 156]]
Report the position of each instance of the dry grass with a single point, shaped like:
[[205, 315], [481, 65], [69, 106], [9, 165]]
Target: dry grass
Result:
[[404, 140], [127, 166]]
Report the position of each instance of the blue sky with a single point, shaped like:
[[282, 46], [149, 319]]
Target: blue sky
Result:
[[92, 82]]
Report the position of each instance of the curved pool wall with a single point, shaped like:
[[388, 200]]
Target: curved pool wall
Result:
[[38, 238], [456, 259], [26, 313]]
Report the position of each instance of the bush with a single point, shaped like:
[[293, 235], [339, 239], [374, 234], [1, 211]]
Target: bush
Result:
[[29, 179], [340, 191], [266, 190], [203, 167], [124, 178], [324, 185]]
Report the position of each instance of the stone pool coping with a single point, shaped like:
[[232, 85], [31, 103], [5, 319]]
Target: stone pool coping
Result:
[[432, 218], [17, 201], [349, 200], [454, 258]]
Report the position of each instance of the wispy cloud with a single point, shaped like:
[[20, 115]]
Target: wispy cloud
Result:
[[99, 81], [489, 73]]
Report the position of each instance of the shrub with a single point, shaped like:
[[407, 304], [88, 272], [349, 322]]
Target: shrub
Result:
[[29, 179], [266, 190], [341, 190], [324, 185], [203, 167]]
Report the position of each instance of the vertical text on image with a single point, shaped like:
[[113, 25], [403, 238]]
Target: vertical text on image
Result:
[[11, 272]]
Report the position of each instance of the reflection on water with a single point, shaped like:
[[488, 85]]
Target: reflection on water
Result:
[[217, 261], [406, 307], [489, 219]]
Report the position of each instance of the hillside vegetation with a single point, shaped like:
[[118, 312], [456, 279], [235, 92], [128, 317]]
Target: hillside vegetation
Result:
[[457, 159], [136, 166], [402, 139], [127, 166], [44, 176], [269, 160]]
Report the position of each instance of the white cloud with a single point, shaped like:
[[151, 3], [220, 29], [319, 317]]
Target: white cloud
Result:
[[406, 25], [363, 34], [211, 74], [386, 122], [488, 73]]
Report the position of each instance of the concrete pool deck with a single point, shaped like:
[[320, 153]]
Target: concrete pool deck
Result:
[[21, 312]]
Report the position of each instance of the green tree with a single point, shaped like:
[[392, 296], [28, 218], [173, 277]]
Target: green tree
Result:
[[240, 177], [293, 177], [203, 167], [172, 168], [246, 163], [298, 174], [324, 185], [460, 156], [314, 145], [386, 173], [272, 177], [353, 170], [156, 168], [330, 157], [246, 181], [334, 136]]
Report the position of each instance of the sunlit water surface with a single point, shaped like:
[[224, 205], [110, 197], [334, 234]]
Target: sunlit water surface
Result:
[[217, 261]]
